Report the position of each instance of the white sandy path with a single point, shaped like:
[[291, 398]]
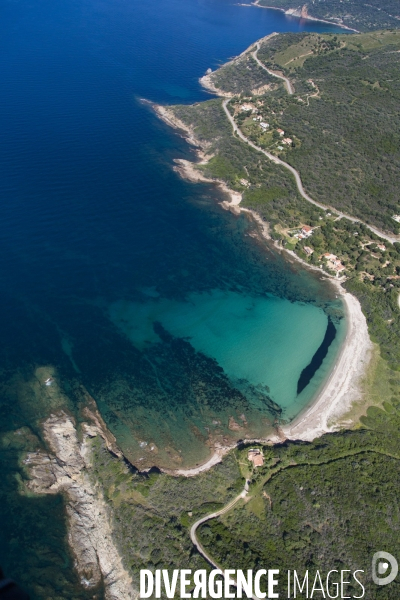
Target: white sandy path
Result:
[[219, 453], [207, 83], [343, 384]]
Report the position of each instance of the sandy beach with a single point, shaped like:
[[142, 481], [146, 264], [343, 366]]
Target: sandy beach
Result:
[[343, 386], [341, 389]]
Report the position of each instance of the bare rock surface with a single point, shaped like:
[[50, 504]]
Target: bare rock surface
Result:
[[65, 470]]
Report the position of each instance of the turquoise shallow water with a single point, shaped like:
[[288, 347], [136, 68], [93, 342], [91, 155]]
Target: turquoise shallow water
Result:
[[263, 340], [103, 247]]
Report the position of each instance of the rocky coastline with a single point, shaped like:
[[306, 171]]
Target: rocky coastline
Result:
[[65, 469], [302, 13]]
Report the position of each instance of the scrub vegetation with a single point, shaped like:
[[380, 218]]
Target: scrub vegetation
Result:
[[340, 132], [326, 505], [243, 76], [272, 191], [332, 503], [152, 512], [357, 14], [323, 505], [343, 119]]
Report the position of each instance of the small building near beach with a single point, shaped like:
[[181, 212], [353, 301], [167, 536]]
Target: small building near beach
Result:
[[256, 457], [333, 263]]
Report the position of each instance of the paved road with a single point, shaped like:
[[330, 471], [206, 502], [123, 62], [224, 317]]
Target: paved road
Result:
[[278, 161]]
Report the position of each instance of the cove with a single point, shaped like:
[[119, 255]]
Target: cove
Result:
[[265, 341], [100, 236]]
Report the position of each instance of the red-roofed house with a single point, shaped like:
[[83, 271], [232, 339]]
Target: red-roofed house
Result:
[[306, 230], [256, 457]]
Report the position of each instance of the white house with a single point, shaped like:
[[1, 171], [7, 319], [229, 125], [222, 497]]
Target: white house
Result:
[[306, 230]]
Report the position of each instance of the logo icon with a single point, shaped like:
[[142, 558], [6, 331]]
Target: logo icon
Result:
[[381, 561]]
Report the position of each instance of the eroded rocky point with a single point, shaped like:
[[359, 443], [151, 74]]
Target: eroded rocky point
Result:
[[65, 469]]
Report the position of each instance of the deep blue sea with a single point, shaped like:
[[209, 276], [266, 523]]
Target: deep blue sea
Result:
[[117, 275]]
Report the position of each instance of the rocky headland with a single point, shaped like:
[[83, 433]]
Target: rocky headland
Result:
[[65, 469]]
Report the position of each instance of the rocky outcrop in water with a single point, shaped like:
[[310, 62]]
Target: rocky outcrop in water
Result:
[[65, 470]]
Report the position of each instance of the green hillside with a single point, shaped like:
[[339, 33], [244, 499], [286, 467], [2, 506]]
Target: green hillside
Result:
[[357, 14], [332, 503], [344, 114]]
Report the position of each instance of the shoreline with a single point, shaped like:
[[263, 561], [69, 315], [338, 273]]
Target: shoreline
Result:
[[343, 384], [64, 468], [322, 414], [187, 169], [206, 80], [307, 18]]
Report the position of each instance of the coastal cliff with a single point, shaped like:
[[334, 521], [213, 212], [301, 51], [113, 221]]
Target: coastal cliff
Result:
[[301, 12]]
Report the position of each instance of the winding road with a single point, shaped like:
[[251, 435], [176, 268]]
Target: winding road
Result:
[[295, 173], [271, 474], [214, 515], [288, 84]]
